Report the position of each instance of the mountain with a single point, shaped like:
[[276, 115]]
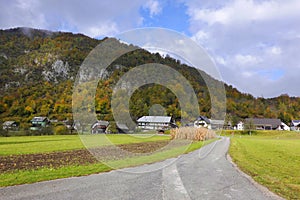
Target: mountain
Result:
[[38, 69]]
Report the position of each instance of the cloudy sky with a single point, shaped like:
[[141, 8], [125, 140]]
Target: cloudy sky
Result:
[[254, 43]]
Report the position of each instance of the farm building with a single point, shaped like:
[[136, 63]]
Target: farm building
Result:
[[265, 124], [219, 124], [295, 125], [10, 125], [39, 122], [202, 121], [99, 126], [154, 122]]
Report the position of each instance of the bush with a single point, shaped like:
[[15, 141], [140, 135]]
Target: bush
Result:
[[4, 133], [112, 128], [61, 130]]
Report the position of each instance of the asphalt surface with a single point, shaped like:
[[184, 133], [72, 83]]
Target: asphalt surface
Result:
[[202, 174]]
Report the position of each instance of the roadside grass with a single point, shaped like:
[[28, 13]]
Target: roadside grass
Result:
[[272, 158], [43, 174], [53, 143], [274, 134]]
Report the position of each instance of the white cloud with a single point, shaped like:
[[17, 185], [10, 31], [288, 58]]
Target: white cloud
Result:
[[200, 36], [93, 18], [154, 7], [220, 60], [251, 40], [275, 50], [247, 74], [106, 28], [245, 60], [244, 11]]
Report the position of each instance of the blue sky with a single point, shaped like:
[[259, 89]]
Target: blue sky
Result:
[[255, 43], [171, 15]]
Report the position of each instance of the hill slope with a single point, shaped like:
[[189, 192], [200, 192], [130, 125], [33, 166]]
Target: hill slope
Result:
[[38, 68]]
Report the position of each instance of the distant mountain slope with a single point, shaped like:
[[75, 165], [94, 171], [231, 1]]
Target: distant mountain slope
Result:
[[38, 68]]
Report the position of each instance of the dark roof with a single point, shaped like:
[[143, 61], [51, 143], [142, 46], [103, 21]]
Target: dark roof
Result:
[[39, 119], [295, 122], [264, 122], [203, 118]]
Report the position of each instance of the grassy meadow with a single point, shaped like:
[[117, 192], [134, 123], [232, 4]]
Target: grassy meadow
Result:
[[272, 158], [52, 143]]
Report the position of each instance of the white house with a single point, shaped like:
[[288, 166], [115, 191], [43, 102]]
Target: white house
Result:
[[240, 126], [295, 125], [154, 122], [202, 121], [285, 127]]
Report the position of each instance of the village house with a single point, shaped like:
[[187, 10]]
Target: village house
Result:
[[99, 127], [202, 121], [154, 123], [39, 122], [219, 124], [295, 125], [265, 124], [10, 125]]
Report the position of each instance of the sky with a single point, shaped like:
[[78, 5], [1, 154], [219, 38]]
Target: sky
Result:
[[254, 43]]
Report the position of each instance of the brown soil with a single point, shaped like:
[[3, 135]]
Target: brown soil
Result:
[[77, 157]]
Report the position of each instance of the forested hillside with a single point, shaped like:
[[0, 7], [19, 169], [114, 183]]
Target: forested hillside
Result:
[[38, 69]]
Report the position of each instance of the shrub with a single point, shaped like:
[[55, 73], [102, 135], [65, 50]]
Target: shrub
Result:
[[112, 128], [3, 133], [61, 130]]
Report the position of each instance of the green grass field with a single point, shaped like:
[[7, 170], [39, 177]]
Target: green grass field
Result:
[[51, 143], [42, 144], [272, 158]]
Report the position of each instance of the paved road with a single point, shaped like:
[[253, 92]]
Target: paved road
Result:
[[202, 174]]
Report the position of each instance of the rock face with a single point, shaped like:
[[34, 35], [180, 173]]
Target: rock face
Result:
[[58, 71], [31, 56]]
